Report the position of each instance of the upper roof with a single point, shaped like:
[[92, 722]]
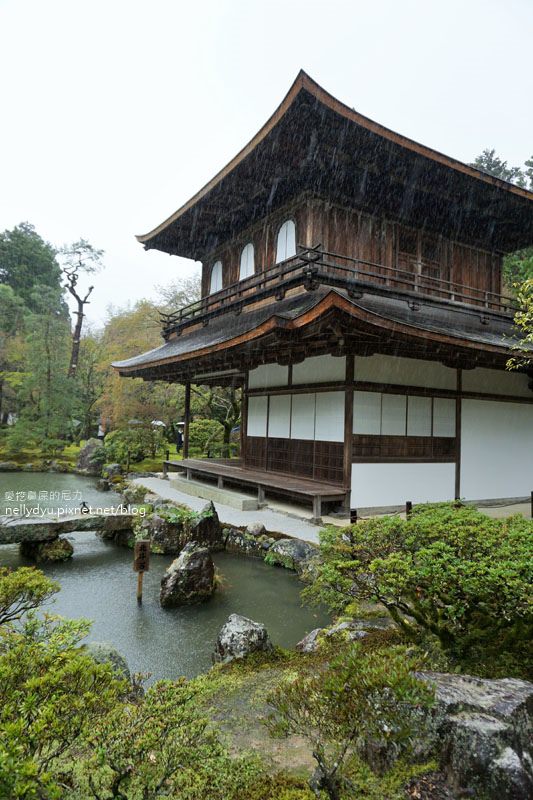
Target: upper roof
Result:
[[314, 143]]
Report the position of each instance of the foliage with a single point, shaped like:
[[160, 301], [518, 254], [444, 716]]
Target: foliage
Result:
[[46, 400], [158, 747], [21, 591], [524, 323], [68, 729], [133, 444], [28, 264], [489, 162], [204, 433], [180, 515], [359, 699], [50, 697], [448, 570]]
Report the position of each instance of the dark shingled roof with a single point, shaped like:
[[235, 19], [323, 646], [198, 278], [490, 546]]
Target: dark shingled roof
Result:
[[478, 327]]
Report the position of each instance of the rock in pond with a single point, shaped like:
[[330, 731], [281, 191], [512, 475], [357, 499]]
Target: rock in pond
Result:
[[90, 457], [292, 553], [484, 734], [189, 579], [105, 653], [59, 549], [239, 637], [169, 537]]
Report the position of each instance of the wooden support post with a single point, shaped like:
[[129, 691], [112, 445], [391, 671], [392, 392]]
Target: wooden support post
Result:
[[408, 508], [260, 496], [531, 505], [353, 516], [348, 428], [244, 419], [187, 419], [458, 408], [188, 474], [140, 587], [220, 482], [317, 507], [141, 564]]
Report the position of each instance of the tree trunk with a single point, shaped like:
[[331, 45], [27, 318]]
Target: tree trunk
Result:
[[76, 338]]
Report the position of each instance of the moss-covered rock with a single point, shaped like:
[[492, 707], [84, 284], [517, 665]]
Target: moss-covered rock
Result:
[[59, 549]]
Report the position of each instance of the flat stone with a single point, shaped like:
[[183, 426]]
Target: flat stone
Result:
[[309, 644]]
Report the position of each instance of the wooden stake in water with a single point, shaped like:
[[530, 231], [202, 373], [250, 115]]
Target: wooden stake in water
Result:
[[141, 564]]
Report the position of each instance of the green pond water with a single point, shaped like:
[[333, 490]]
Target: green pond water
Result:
[[99, 584]]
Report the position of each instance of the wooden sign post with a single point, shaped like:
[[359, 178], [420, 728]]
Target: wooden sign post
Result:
[[141, 564]]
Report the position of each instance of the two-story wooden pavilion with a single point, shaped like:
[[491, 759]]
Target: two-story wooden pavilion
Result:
[[351, 285]]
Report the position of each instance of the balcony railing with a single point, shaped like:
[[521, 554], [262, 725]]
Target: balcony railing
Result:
[[313, 267]]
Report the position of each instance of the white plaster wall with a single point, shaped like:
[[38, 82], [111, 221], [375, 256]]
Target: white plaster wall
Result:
[[303, 416], [329, 424], [367, 412], [279, 416], [496, 449], [443, 416], [404, 372], [267, 375], [394, 484], [393, 414], [320, 369], [257, 416], [419, 413], [496, 381]]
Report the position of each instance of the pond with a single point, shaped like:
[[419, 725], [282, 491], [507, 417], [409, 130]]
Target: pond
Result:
[[99, 584]]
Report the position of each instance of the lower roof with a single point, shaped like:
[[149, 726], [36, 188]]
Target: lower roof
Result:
[[474, 330]]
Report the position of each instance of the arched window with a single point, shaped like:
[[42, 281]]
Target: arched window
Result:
[[286, 241], [215, 284], [247, 262]]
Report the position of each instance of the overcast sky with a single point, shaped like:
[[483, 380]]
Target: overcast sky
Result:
[[115, 112]]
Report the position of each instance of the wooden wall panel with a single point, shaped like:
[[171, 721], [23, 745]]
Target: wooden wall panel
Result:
[[369, 447], [321, 461]]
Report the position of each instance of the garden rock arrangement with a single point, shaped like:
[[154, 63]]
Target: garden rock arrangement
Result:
[[190, 578], [170, 528], [239, 637], [484, 730]]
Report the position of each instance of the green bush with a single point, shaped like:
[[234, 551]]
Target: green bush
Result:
[[448, 571], [134, 444], [357, 699], [203, 434]]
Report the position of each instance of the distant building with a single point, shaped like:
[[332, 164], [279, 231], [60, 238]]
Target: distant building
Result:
[[351, 285]]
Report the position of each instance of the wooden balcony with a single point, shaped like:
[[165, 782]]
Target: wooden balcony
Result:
[[313, 267]]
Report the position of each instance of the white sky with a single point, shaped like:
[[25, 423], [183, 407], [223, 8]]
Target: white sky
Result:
[[114, 113]]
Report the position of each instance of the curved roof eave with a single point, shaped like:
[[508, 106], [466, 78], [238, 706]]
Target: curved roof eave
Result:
[[305, 82]]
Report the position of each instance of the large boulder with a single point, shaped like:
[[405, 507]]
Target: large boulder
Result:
[[207, 529], [239, 637], [105, 653], [168, 533], [483, 730], [190, 578], [59, 549], [111, 471], [91, 457], [292, 553]]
